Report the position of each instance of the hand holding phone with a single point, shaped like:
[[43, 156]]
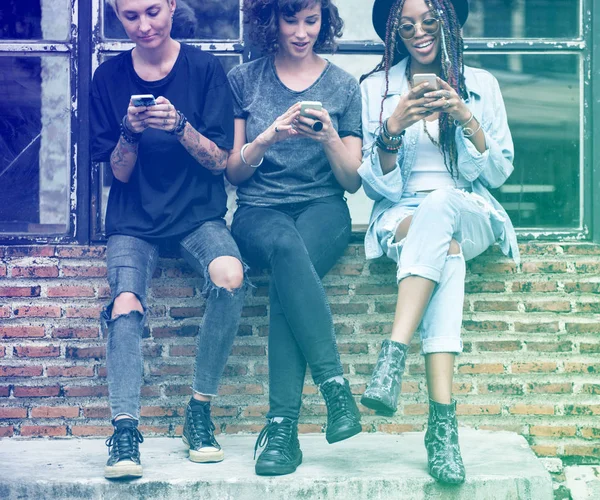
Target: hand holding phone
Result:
[[430, 78], [317, 126]]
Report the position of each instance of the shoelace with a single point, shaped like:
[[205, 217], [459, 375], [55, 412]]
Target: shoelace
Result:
[[275, 435], [124, 442], [202, 426], [335, 392]]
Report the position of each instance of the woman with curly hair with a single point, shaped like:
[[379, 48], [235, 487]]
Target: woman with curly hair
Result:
[[291, 170], [432, 151]]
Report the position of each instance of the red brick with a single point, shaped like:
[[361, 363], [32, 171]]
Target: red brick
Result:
[[582, 451], [582, 287], [80, 252], [182, 331], [240, 389], [36, 311], [96, 412], [587, 267], [2, 351], [495, 305], [582, 327], [484, 286], [525, 409], [582, 367], [591, 389], [399, 428], [499, 345], [55, 412], [381, 328], [29, 251], [12, 332], [544, 267], [586, 348], [70, 371], [552, 430], [534, 367], [97, 352], [71, 291], [7, 412], [416, 409], [245, 428], [2, 270], [251, 311], [4, 391], [20, 291], [43, 430], [84, 312], [588, 307], [93, 391], [565, 346], [376, 289], [481, 368], [20, 371], [348, 269], [35, 272], [472, 409], [7, 431], [161, 411], [186, 312], [557, 388], [590, 432], [337, 290], [4, 312], [248, 350], [83, 271], [589, 409], [255, 411], [43, 391], [478, 266], [91, 430], [534, 286], [486, 326], [164, 291], [539, 248], [537, 327], [505, 389], [548, 306], [352, 308], [545, 450], [353, 348], [171, 369], [42, 351], [76, 333]]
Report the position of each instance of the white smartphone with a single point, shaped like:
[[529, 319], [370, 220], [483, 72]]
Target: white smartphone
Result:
[[419, 78], [304, 105], [143, 100]]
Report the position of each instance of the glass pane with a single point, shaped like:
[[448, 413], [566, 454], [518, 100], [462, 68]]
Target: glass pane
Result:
[[543, 101], [35, 129], [487, 19], [193, 20], [35, 19], [105, 173]]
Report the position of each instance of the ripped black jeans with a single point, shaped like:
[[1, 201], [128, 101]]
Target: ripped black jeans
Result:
[[131, 263]]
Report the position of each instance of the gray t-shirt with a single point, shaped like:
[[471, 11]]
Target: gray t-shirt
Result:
[[294, 170]]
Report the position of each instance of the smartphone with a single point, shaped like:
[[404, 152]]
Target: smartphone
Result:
[[143, 100], [304, 105], [419, 78]]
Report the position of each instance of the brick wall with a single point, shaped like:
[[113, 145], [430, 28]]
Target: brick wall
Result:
[[531, 361]]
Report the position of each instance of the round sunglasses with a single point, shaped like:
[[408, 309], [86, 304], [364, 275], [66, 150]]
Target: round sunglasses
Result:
[[429, 25]]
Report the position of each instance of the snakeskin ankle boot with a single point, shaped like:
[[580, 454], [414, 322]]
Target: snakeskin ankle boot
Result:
[[384, 389], [441, 442]]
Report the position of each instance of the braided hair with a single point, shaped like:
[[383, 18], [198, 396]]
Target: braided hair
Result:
[[451, 54]]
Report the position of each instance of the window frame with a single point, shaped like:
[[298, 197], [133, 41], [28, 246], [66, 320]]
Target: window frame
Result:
[[85, 47]]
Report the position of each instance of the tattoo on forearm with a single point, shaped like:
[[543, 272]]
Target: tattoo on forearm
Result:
[[123, 157], [206, 152]]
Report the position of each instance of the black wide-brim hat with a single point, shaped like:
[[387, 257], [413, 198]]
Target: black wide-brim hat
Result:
[[381, 11]]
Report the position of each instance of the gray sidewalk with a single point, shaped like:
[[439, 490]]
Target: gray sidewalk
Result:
[[499, 465]]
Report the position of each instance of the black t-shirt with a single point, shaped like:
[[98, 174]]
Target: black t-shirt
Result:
[[169, 192]]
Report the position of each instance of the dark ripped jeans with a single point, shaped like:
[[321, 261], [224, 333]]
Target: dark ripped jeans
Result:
[[131, 263], [299, 243]]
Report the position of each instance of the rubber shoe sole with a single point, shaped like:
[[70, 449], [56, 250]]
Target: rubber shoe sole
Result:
[[265, 468], [204, 457], [343, 433], [377, 405], [123, 470]]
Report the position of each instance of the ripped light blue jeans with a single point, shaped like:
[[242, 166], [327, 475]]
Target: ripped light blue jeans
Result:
[[439, 217], [131, 263]]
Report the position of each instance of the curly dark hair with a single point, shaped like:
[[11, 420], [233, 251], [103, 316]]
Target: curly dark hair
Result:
[[262, 19]]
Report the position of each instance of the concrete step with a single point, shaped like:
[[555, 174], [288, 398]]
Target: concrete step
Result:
[[500, 465]]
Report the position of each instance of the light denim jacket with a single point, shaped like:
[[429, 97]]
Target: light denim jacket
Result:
[[484, 170]]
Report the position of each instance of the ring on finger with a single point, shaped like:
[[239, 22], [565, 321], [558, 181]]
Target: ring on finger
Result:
[[446, 104], [276, 129]]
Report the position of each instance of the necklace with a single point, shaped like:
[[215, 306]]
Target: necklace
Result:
[[409, 80]]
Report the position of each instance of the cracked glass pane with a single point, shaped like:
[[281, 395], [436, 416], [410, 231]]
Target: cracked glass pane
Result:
[[35, 19], [34, 144], [194, 20]]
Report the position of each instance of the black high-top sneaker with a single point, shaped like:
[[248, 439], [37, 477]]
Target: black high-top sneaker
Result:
[[343, 417], [282, 454], [198, 433], [123, 448]]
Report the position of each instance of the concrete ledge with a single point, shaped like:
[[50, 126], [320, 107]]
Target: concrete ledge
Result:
[[500, 465]]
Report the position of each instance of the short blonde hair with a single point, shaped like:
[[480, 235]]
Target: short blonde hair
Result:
[[112, 3]]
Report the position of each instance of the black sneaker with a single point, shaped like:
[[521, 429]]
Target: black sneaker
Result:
[[343, 417], [282, 453], [123, 449], [198, 434]]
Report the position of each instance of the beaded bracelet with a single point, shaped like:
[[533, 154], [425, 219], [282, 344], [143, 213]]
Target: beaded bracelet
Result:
[[389, 137], [244, 158], [388, 148], [127, 134], [180, 127]]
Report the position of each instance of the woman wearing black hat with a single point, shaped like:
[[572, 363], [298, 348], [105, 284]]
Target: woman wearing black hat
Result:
[[436, 138]]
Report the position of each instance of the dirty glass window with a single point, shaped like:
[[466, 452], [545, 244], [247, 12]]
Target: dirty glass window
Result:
[[193, 20], [35, 144], [35, 19]]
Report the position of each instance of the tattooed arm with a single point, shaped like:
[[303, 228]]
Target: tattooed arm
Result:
[[206, 152], [122, 159]]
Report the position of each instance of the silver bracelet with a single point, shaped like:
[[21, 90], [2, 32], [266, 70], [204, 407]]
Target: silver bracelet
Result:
[[244, 158], [470, 132]]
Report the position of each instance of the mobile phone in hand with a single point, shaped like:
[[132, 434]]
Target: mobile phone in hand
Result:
[[143, 100], [305, 105], [431, 78]]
